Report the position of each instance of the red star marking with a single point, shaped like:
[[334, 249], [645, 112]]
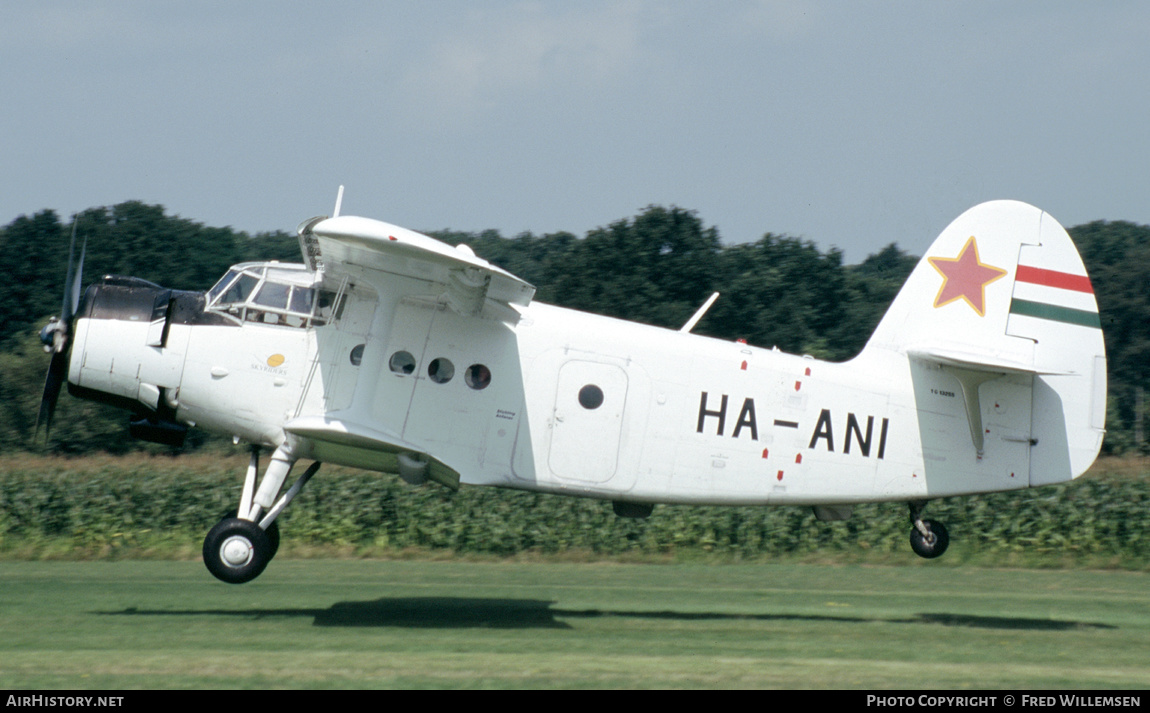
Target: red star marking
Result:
[[965, 277]]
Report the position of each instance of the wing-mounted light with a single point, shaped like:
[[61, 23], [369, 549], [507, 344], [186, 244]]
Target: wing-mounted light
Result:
[[467, 290]]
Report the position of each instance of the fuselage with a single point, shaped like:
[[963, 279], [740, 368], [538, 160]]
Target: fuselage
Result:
[[545, 398]]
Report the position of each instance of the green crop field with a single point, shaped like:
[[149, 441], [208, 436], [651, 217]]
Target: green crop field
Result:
[[368, 623], [160, 508]]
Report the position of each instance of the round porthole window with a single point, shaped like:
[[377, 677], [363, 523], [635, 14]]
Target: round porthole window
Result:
[[357, 354], [477, 376], [402, 363], [440, 370], [590, 397]]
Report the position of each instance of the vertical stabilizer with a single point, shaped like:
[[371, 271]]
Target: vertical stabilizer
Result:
[[1002, 295]]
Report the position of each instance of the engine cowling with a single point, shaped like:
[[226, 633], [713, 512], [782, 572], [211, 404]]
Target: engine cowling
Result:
[[124, 351]]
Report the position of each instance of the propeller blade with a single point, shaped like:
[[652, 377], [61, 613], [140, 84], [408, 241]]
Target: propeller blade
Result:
[[77, 284], [60, 332], [57, 375], [73, 281]]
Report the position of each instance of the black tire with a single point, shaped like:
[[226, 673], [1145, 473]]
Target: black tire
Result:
[[273, 533], [933, 546], [237, 551]]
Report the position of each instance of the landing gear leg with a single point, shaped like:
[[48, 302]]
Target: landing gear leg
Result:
[[928, 538], [240, 546]]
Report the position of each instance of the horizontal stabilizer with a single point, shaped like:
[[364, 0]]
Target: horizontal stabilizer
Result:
[[975, 361]]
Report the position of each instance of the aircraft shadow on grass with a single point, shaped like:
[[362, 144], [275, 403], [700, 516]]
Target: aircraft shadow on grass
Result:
[[465, 612]]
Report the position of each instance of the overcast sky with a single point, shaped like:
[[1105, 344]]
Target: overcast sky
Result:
[[852, 124]]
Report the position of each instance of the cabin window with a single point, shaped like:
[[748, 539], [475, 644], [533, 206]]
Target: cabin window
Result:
[[440, 370], [357, 354], [402, 363], [477, 376], [590, 397]]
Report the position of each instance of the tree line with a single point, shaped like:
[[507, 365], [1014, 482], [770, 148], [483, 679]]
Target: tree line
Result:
[[656, 267]]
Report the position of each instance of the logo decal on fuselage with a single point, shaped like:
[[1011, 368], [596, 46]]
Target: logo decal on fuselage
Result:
[[273, 364]]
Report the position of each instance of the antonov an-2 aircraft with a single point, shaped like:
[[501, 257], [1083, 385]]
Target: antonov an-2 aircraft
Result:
[[390, 351]]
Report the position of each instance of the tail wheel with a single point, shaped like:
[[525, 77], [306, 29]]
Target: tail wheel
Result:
[[931, 544], [237, 551]]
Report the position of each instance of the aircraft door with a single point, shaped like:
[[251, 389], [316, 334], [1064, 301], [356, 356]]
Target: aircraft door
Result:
[[404, 363], [335, 350], [587, 421]]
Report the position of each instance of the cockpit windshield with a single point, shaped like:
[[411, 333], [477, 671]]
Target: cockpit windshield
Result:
[[272, 293]]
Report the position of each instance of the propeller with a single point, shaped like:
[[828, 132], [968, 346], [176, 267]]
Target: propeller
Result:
[[56, 335]]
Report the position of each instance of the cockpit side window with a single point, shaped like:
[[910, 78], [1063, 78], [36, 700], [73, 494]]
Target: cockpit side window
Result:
[[270, 294], [221, 285], [302, 299], [239, 290], [326, 307]]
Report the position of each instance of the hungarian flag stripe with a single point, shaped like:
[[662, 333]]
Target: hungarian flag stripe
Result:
[[1053, 278], [1054, 295], [1055, 312]]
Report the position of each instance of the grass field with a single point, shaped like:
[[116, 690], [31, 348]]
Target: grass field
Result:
[[363, 623]]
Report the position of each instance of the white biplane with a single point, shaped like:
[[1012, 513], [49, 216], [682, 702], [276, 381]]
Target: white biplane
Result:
[[391, 351]]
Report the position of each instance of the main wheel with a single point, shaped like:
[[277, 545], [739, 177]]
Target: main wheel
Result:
[[237, 551], [933, 545], [273, 533]]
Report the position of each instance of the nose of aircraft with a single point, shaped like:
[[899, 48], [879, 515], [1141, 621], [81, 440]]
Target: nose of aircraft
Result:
[[120, 329], [116, 351]]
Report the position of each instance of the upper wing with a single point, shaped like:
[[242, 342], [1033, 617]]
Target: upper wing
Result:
[[331, 245]]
